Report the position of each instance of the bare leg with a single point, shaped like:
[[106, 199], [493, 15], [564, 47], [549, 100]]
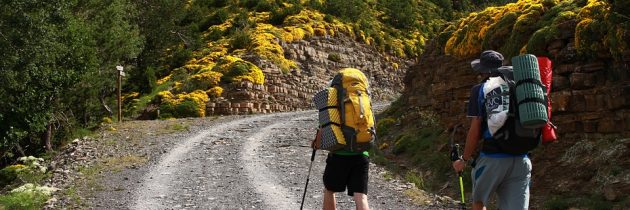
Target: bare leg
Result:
[[361, 201], [478, 206], [330, 203]]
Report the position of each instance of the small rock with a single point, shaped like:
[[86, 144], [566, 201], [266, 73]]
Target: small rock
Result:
[[610, 194]]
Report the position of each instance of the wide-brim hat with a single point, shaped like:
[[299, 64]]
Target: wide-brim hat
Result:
[[488, 61]]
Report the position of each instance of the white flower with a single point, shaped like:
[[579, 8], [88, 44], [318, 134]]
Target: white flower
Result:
[[31, 188]]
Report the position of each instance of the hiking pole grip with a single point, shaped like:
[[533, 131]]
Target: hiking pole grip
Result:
[[313, 155], [455, 153]]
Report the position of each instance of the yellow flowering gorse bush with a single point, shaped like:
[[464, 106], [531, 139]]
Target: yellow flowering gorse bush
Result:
[[528, 25]]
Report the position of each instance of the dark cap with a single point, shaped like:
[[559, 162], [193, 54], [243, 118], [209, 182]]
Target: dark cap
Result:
[[489, 61]]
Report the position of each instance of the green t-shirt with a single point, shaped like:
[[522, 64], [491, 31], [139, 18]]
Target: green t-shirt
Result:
[[348, 153]]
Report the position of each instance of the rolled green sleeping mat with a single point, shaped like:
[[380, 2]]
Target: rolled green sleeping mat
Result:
[[530, 97]]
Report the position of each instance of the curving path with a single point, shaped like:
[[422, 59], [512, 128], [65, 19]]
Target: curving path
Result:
[[258, 162]]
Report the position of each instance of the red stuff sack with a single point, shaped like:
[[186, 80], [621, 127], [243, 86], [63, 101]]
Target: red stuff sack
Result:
[[549, 130]]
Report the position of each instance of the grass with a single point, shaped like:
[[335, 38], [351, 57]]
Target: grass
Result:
[[73, 194], [90, 176], [582, 202], [417, 196], [82, 132], [425, 149], [415, 178], [388, 176], [178, 127], [23, 200], [119, 163]]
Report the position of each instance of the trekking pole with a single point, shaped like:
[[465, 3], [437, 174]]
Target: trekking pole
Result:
[[307, 178], [454, 157], [461, 184]]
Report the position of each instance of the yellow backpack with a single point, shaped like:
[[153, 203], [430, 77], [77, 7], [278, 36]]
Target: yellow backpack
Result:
[[345, 113]]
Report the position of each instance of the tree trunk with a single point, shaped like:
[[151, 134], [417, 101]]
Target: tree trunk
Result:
[[48, 138], [20, 150], [109, 110]]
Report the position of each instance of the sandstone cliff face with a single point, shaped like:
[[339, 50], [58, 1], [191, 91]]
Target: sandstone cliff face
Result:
[[319, 58], [591, 107]]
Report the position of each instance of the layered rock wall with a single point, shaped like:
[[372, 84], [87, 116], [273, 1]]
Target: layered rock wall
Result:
[[588, 96], [319, 59]]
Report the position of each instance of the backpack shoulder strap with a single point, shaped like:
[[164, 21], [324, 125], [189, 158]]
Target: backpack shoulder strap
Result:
[[337, 83], [481, 105]]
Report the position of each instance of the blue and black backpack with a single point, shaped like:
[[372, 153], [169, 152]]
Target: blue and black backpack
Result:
[[513, 137]]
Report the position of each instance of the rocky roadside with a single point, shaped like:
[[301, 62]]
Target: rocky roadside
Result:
[[89, 165]]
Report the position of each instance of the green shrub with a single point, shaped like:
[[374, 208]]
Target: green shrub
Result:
[[241, 39], [334, 57], [265, 6], [33, 172], [250, 4], [279, 15], [9, 174], [218, 3], [214, 34], [242, 22], [236, 69], [328, 18], [383, 126], [218, 17], [166, 110], [179, 74], [187, 108]]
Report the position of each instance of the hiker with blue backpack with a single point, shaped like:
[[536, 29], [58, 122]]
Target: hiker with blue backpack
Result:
[[499, 109]]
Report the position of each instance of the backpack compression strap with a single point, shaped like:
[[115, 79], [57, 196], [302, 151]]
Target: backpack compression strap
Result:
[[535, 82]]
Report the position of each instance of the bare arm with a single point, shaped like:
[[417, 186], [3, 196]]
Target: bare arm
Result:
[[473, 137], [472, 141]]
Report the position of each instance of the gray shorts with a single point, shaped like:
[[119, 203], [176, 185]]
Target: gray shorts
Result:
[[508, 176]]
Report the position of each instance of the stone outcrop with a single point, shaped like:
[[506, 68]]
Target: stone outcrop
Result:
[[319, 58]]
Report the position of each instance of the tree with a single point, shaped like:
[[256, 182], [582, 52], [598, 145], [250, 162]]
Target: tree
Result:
[[117, 41], [54, 63], [42, 57], [346, 9], [401, 14], [170, 36]]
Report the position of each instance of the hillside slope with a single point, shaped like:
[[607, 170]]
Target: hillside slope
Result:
[[269, 56], [587, 42]]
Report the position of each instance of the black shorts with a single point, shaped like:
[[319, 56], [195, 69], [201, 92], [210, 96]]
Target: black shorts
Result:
[[346, 171]]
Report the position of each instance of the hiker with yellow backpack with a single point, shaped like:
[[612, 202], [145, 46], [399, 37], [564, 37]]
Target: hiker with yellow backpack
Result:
[[346, 130]]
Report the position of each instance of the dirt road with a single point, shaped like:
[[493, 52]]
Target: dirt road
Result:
[[253, 162]]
